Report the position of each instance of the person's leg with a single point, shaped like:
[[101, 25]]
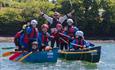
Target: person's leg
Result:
[[52, 43], [61, 46], [66, 47]]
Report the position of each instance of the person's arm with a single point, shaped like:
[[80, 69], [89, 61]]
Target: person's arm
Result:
[[49, 19], [62, 19]]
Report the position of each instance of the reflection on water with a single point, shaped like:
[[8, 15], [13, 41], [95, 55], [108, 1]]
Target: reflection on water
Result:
[[107, 61]]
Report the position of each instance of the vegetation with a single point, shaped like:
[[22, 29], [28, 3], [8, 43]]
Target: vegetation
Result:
[[95, 17]]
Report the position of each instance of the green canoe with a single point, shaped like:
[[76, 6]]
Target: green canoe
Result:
[[90, 55]]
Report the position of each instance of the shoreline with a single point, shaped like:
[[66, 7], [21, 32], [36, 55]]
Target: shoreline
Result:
[[11, 39]]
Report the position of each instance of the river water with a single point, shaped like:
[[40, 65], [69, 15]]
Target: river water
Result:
[[107, 61]]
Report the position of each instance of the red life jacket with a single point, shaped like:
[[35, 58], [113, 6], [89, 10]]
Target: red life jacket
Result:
[[81, 42], [65, 38], [71, 31], [26, 38], [17, 35], [17, 38], [44, 38], [34, 33]]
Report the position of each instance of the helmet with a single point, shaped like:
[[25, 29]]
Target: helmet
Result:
[[70, 21], [59, 25], [45, 26], [34, 22], [79, 33]]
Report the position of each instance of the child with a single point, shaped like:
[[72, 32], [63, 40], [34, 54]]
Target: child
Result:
[[43, 37], [60, 38], [79, 41], [32, 32], [70, 29]]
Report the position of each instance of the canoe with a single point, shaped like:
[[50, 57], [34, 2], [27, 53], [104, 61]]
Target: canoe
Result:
[[43, 56], [90, 55]]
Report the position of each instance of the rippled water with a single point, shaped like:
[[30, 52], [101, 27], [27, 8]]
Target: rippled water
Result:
[[107, 61]]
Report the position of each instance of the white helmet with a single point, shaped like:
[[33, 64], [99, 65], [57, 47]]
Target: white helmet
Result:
[[79, 33], [70, 21], [33, 22]]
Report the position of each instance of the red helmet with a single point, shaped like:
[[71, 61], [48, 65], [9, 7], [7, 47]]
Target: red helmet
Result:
[[59, 25], [45, 26]]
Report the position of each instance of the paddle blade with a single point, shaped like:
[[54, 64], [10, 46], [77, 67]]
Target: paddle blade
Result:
[[13, 57], [6, 54]]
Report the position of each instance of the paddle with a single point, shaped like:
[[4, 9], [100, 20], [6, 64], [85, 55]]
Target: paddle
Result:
[[13, 57], [21, 59], [8, 53], [8, 48], [72, 43]]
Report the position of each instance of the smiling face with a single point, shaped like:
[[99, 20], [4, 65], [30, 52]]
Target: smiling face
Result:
[[56, 15], [34, 25], [44, 30]]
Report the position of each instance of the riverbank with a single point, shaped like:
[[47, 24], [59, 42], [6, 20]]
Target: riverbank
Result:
[[10, 39], [6, 39]]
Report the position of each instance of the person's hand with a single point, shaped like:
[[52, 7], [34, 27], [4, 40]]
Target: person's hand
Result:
[[41, 12], [72, 11], [70, 14], [52, 36], [43, 44]]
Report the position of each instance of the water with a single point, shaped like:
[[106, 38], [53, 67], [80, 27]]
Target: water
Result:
[[107, 61]]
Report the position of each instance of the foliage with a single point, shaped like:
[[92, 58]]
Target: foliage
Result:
[[94, 17]]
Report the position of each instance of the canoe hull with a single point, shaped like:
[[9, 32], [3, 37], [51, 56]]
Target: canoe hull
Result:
[[43, 56], [90, 55]]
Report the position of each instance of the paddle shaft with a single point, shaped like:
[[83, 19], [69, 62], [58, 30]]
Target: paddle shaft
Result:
[[21, 59]]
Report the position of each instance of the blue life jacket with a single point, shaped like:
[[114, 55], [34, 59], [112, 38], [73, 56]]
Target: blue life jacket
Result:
[[22, 42]]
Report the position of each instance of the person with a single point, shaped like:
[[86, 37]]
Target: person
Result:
[[54, 38], [70, 29], [17, 40], [32, 32], [79, 42], [24, 40], [34, 46], [19, 34], [58, 38], [55, 34], [53, 21], [43, 37]]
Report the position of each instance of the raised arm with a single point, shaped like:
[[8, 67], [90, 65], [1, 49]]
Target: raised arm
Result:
[[49, 19], [63, 18]]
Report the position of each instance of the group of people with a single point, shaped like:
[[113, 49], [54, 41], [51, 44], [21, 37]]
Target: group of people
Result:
[[52, 33]]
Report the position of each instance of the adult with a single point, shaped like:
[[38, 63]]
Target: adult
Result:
[[57, 18]]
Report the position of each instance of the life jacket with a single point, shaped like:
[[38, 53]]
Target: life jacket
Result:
[[17, 35], [55, 35], [71, 31], [44, 38], [64, 38], [33, 33], [17, 38], [81, 42], [55, 22], [26, 38]]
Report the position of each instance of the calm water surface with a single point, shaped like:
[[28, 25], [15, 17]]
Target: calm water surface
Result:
[[107, 61]]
